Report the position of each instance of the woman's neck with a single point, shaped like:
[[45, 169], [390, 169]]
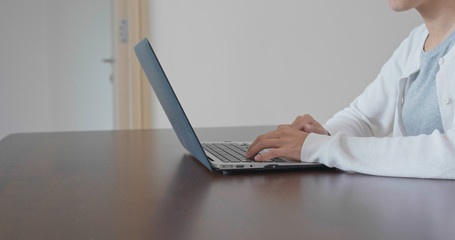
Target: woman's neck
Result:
[[439, 18]]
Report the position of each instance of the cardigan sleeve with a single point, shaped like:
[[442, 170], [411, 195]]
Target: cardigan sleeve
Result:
[[423, 156]]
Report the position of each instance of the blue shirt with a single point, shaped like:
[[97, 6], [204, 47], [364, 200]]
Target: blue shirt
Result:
[[421, 113]]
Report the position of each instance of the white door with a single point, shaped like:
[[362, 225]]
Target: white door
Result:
[[79, 37]]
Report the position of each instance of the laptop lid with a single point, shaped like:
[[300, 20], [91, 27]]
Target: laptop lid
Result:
[[169, 101]]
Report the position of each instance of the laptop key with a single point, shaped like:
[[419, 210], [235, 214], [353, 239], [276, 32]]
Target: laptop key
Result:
[[229, 152]]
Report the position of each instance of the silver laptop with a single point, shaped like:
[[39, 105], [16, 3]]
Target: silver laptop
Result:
[[222, 155]]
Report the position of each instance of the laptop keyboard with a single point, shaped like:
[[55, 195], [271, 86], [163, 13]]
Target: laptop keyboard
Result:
[[232, 152]]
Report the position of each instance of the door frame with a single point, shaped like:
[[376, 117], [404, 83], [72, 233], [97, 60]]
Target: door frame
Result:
[[132, 96]]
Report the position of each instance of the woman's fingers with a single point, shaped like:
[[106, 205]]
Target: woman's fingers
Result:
[[284, 142], [268, 140], [273, 153], [308, 124]]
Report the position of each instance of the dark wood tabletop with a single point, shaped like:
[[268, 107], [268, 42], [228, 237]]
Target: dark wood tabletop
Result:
[[142, 184]]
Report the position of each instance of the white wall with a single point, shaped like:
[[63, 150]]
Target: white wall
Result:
[[51, 74], [261, 62], [23, 77]]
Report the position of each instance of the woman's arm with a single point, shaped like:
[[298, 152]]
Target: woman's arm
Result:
[[423, 156]]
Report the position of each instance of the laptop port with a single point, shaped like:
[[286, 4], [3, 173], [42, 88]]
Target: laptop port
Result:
[[239, 166]]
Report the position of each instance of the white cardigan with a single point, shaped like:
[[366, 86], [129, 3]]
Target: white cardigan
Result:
[[369, 136]]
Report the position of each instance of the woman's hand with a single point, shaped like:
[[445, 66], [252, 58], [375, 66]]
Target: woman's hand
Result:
[[286, 141], [307, 124], [283, 142]]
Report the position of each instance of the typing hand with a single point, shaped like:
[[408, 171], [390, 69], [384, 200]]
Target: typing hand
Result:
[[286, 141], [307, 124], [283, 142]]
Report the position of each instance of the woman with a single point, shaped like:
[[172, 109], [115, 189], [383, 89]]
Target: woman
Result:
[[402, 124]]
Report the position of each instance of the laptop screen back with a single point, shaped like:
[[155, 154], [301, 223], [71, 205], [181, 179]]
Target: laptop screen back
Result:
[[169, 101]]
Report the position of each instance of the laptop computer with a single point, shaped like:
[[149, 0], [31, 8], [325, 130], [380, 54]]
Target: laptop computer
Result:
[[223, 155]]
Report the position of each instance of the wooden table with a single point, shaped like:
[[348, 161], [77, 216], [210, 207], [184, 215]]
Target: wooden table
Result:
[[143, 185]]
